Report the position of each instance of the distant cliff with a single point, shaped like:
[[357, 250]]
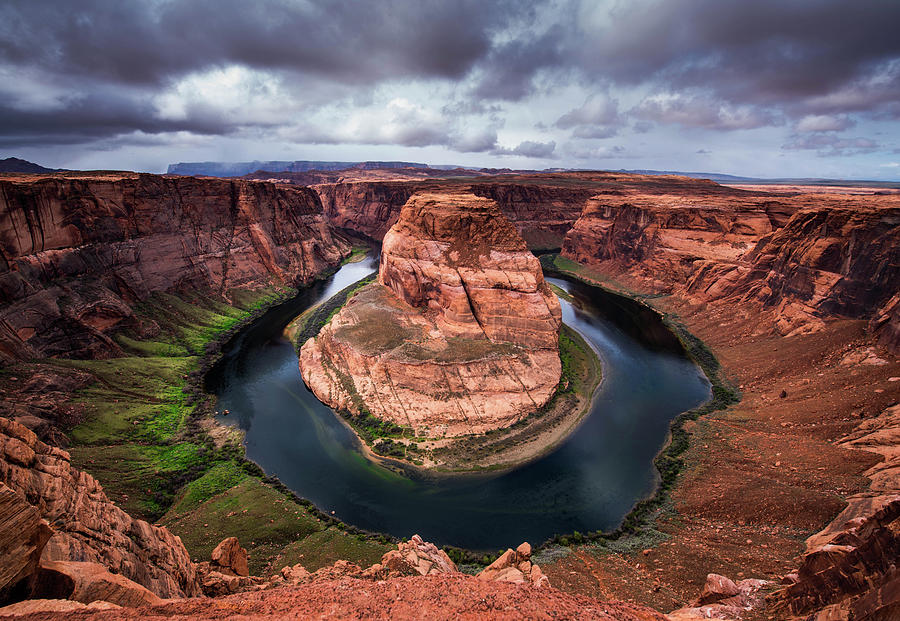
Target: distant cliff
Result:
[[236, 169], [76, 253]]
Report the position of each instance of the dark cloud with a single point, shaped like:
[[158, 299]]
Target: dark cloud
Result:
[[79, 71], [152, 42], [698, 111], [766, 52]]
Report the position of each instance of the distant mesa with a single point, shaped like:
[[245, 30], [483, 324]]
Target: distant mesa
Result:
[[237, 169], [459, 335], [16, 165]]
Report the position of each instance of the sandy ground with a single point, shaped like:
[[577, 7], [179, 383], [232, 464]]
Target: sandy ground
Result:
[[761, 476]]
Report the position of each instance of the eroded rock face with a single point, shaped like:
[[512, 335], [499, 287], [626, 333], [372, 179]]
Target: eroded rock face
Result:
[[542, 214], [849, 572], [804, 258], [87, 526], [23, 535], [79, 252], [460, 334]]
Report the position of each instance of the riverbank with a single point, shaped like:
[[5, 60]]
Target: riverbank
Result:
[[143, 426], [399, 449], [757, 478]]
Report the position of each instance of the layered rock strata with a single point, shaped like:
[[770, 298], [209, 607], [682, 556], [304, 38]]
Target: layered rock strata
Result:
[[541, 213], [87, 525], [459, 335], [77, 252], [804, 258]]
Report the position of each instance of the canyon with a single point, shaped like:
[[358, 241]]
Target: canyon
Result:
[[796, 294], [80, 251], [458, 336]]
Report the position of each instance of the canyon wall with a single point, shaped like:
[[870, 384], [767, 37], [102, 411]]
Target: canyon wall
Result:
[[77, 252], [460, 334], [804, 258], [541, 213]]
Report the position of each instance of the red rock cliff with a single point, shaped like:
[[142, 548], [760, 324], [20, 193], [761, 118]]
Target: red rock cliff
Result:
[[804, 257], [76, 252], [541, 213]]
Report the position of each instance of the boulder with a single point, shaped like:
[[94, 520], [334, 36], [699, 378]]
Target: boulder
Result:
[[515, 566], [230, 556], [89, 582], [417, 557]]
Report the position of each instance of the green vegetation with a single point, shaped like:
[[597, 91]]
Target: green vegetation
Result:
[[144, 436], [275, 528], [357, 254]]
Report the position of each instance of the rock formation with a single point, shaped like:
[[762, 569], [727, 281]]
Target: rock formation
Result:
[[802, 257], [515, 566], [460, 334], [541, 212], [87, 526], [23, 535], [77, 252]]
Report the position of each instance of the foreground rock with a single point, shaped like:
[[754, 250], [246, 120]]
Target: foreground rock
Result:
[[81, 250], [460, 334], [87, 526], [23, 535], [453, 596]]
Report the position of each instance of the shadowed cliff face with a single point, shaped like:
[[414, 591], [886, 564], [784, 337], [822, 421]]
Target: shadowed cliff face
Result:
[[460, 334], [77, 253], [541, 214], [804, 257]]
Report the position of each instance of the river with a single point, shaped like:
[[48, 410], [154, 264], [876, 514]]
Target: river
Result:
[[589, 482]]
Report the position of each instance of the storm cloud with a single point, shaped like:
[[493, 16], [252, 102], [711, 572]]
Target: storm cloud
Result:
[[508, 82]]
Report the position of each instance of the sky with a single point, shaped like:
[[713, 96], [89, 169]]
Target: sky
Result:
[[767, 88]]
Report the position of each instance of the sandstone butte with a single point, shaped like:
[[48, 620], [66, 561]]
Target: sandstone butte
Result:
[[458, 336]]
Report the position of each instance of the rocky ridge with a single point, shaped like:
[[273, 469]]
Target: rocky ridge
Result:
[[77, 252], [460, 334]]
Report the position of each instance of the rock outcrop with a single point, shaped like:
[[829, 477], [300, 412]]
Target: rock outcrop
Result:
[[850, 572], [87, 526], [515, 566], [77, 252], [460, 334], [23, 535], [89, 582]]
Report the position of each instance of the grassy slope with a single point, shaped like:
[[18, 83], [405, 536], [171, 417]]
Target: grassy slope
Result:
[[144, 439]]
